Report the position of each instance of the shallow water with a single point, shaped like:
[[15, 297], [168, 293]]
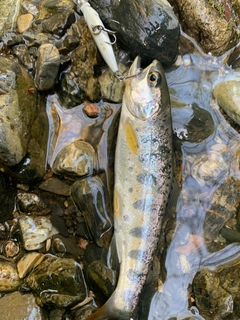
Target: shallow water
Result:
[[207, 167]]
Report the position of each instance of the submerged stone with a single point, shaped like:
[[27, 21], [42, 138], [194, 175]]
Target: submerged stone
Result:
[[92, 199], [58, 282], [76, 159]]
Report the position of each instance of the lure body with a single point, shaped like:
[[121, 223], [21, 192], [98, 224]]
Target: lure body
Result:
[[99, 34], [143, 176]]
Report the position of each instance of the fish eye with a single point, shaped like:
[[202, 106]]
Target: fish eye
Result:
[[155, 79]]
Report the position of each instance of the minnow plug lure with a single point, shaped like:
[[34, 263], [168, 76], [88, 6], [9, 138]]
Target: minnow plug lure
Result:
[[99, 34], [101, 37]]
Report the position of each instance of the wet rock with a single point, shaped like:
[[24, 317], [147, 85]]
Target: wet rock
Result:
[[56, 186], [21, 306], [57, 219], [35, 231], [9, 279], [71, 42], [207, 23], [47, 66], [9, 248], [102, 279], [111, 88], [146, 28], [223, 206], [216, 293], [48, 8], [58, 23], [7, 198], [24, 22], [11, 38], [233, 59], [92, 199], [84, 312], [227, 94], [22, 53], [9, 11], [76, 159], [29, 261], [14, 133], [29, 7], [32, 203], [58, 282], [66, 247], [79, 82]]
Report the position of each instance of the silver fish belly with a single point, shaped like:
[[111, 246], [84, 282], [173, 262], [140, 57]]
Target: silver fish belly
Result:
[[143, 176]]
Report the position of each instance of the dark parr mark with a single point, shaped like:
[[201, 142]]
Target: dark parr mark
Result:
[[137, 254], [144, 204], [138, 232], [147, 179], [134, 275]]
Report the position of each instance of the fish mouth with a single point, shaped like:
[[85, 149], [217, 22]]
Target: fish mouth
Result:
[[135, 67], [136, 70]]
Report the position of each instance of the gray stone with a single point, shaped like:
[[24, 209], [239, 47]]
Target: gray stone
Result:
[[47, 66], [19, 306], [111, 88], [14, 133], [9, 10], [21, 51]]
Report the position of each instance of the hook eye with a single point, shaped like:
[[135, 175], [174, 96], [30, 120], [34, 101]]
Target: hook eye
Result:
[[98, 29]]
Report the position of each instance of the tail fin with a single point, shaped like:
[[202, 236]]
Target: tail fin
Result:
[[109, 312]]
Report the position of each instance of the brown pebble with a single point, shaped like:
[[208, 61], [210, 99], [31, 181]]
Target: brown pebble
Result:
[[11, 248], [91, 110], [24, 22], [82, 243]]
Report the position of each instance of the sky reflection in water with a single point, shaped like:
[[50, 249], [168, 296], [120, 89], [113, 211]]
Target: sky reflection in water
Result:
[[207, 167]]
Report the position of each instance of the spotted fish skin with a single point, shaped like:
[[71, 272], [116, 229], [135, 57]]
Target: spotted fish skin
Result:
[[143, 176]]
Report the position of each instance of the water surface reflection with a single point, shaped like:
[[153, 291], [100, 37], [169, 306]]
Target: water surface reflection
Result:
[[210, 184]]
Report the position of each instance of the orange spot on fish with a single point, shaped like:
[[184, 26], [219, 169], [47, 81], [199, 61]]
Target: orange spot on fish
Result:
[[116, 203], [142, 219], [131, 137]]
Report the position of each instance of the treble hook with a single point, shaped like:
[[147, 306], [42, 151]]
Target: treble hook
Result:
[[98, 29]]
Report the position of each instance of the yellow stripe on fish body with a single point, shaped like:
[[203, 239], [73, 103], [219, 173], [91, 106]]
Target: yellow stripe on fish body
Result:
[[131, 138], [143, 174]]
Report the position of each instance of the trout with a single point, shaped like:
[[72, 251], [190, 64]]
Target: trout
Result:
[[143, 178]]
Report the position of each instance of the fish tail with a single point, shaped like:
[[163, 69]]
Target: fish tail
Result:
[[109, 312]]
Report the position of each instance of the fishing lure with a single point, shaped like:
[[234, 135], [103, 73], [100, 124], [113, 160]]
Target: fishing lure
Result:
[[100, 34], [101, 37]]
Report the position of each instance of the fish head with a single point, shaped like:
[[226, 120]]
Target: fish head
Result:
[[146, 92]]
